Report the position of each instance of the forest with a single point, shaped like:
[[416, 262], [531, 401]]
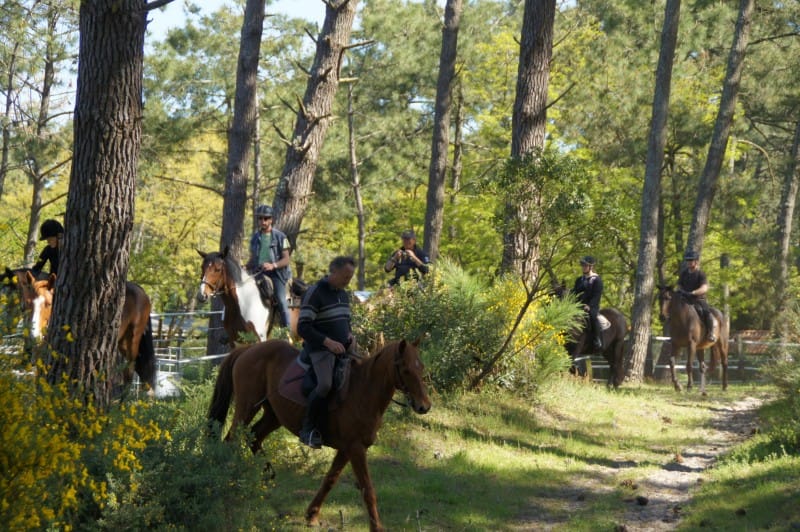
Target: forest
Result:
[[371, 178]]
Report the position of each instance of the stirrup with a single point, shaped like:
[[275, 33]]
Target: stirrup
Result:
[[311, 438]]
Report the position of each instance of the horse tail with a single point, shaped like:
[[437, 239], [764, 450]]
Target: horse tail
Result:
[[146, 360], [223, 390]]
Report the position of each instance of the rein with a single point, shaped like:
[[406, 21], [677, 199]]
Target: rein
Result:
[[399, 383]]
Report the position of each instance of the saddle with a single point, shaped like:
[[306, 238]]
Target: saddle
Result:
[[299, 380], [265, 289]]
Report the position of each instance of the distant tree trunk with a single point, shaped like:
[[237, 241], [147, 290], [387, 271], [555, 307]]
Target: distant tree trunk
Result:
[[651, 196], [100, 203], [37, 145], [434, 212], [521, 247], [791, 184], [240, 143], [356, 184], [722, 128], [313, 117], [8, 96], [458, 153]]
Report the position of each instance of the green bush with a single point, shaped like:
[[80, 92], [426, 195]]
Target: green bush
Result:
[[466, 325]]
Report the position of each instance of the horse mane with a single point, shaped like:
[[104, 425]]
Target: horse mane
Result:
[[233, 268]]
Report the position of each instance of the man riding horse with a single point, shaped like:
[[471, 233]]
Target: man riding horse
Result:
[[588, 288], [269, 262], [693, 285]]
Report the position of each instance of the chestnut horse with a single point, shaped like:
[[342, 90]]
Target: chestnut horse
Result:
[[580, 343], [244, 312], [252, 376], [135, 336], [687, 329]]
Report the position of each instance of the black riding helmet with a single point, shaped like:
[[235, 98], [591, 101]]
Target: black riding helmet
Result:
[[264, 211], [50, 228]]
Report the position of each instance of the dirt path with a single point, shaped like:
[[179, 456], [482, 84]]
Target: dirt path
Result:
[[657, 499], [660, 497]]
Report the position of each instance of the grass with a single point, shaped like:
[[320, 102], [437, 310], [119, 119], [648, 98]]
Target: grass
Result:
[[494, 461]]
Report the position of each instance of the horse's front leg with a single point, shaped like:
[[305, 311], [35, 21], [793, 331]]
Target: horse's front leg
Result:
[[359, 462], [672, 372], [702, 364], [312, 512], [690, 352]]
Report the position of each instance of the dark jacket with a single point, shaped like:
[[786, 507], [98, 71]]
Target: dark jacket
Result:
[[689, 281], [277, 246], [407, 268], [48, 254], [324, 313], [589, 289]]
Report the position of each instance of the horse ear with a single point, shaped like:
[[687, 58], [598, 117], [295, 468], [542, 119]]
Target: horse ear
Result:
[[224, 252], [202, 254], [29, 275], [51, 281], [416, 342]]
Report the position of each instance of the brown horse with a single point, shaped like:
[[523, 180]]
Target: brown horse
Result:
[[687, 329], [613, 351], [135, 336], [252, 376], [221, 275]]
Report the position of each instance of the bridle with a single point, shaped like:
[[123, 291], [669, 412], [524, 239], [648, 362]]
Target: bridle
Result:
[[399, 382], [216, 290]]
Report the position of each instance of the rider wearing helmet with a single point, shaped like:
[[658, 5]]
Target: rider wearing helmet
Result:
[[269, 258], [52, 231], [588, 288], [693, 284]]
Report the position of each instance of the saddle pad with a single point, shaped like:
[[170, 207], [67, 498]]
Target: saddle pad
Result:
[[604, 323], [291, 382]]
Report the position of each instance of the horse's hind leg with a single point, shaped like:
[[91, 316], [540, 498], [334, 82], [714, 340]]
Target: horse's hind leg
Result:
[[263, 427], [675, 382], [312, 512]]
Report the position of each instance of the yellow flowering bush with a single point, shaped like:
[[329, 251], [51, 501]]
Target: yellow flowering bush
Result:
[[57, 449]]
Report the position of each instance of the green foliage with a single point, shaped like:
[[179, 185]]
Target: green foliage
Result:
[[467, 326]]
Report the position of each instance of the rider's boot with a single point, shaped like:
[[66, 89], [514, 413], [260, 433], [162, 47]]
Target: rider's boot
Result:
[[309, 433], [710, 328]]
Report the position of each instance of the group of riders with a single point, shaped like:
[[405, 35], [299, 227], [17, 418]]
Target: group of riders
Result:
[[324, 323]]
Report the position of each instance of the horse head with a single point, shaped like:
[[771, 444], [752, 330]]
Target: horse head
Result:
[[409, 376], [41, 304], [665, 295], [213, 274]]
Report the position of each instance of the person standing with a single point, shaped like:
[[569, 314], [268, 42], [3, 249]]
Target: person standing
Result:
[[693, 284], [589, 288], [53, 232], [325, 327], [409, 261], [269, 258]]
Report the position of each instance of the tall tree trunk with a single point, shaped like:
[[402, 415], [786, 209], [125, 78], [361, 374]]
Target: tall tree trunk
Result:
[[520, 247], [722, 128], [240, 143], [8, 96], [356, 184], [441, 128], [651, 196], [100, 203], [791, 184], [458, 153], [313, 117]]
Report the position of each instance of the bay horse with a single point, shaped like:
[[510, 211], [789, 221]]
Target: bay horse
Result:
[[244, 311], [688, 330], [252, 376], [135, 335], [615, 329]]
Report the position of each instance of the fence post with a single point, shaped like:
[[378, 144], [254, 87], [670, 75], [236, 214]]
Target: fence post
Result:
[[740, 355]]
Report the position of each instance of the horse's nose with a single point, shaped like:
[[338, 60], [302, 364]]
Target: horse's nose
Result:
[[422, 408], [201, 296]]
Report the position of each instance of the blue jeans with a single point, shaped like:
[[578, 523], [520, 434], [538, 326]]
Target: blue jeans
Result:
[[280, 296]]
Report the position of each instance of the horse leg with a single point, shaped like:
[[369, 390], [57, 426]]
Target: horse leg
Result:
[[702, 365], [723, 359], [690, 352], [312, 512], [359, 463], [263, 427], [675, 382]]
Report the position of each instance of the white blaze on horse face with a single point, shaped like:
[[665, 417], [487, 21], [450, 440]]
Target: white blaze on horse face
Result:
[[37, 311]]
